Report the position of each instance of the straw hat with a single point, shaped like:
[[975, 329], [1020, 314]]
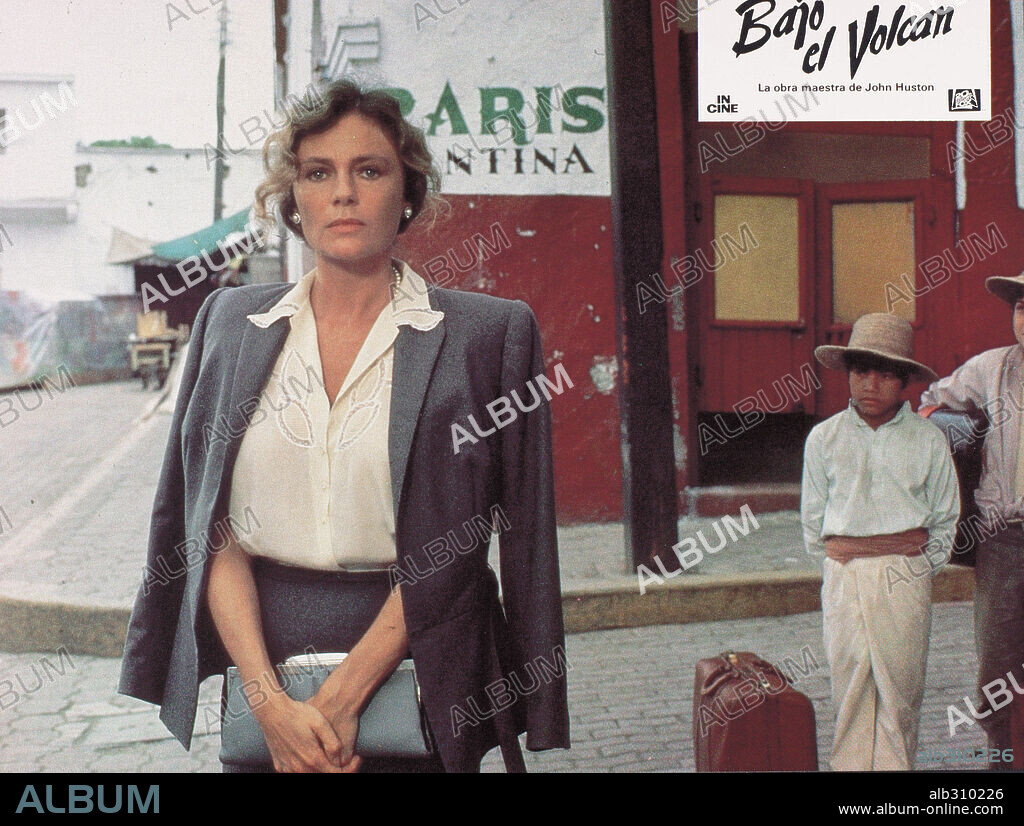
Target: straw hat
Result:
[[877, 334], [1008, 289]]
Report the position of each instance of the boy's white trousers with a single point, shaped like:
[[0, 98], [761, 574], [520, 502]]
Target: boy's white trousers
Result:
[[877, 618]]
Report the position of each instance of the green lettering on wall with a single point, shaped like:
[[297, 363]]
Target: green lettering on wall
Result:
[[447, 106], [593, 119], [543, 109], [490, 114]]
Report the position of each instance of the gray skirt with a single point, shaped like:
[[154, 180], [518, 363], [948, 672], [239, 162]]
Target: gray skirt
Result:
[[305, 611]]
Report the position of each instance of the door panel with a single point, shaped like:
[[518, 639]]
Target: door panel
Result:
[[763, 312], [872, 245], [756, 298], [870, 238], [774, 268]]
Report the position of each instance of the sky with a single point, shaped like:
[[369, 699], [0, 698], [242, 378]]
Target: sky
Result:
[[146, 67]]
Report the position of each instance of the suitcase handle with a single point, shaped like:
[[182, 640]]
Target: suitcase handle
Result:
[[733, 664]]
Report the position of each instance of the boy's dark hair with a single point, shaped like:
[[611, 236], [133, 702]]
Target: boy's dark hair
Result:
[[870, 361]]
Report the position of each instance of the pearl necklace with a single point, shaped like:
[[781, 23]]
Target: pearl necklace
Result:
[[398, 276]]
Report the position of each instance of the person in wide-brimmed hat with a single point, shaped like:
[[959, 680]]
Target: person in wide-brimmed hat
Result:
[[879, 502], [1006, 288], [887, 337], [994, 382]]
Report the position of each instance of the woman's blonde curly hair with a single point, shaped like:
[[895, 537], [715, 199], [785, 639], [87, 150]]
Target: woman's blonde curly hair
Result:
[[318, 111]]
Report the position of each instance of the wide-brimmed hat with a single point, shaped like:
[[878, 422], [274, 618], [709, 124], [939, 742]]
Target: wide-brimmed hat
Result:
[[877, 334], [1008, 289]]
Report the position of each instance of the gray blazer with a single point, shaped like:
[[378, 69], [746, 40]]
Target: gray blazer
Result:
[[487, 673]]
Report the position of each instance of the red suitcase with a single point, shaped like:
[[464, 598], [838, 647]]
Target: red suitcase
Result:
[[747, 717]]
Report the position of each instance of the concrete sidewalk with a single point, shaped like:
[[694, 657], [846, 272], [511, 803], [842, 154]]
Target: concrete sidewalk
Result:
[[81, 470]]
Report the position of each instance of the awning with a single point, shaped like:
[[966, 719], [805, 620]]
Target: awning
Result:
[[203, 240], [126, 248]]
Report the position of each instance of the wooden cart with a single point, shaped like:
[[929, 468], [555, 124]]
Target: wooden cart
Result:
[[152, 347]]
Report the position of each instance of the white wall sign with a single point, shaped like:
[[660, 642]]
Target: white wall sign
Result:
[[512, 96], [523, 140]]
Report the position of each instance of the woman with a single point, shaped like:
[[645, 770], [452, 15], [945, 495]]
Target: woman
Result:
[[323, 412]]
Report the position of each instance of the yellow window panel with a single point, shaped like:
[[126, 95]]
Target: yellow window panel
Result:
[[872, 245], [763, 283]]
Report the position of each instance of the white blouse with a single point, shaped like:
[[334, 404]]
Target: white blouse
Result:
[[316, 475]]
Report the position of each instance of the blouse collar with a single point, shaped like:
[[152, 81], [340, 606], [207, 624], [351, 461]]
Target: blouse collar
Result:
[[409, 303]]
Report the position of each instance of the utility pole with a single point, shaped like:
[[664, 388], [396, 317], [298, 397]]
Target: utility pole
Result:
[[280, 49], [282, 22], [220, 169], [650, 507], [317, 52]]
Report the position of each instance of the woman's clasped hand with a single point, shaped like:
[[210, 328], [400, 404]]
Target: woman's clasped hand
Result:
[[302, 739]]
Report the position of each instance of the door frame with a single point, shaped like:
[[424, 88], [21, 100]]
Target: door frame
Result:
[[827, 195], [803, 191]]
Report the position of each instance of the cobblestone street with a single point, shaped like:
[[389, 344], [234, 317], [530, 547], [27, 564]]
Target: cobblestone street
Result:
[[630, 700], [82, 467]]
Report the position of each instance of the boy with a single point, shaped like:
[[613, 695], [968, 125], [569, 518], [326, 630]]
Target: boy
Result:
[[994, 380], [879, 490]]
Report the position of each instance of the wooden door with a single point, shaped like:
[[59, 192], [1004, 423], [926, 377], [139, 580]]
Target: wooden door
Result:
[[870, 238], [757, 301]]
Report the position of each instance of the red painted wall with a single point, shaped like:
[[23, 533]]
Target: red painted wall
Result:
[[960, 317], [558, 259], [560, 262], [983, 321]]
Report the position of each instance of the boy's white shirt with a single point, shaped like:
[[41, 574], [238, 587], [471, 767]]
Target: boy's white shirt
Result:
[[858, 481], [994, 382]]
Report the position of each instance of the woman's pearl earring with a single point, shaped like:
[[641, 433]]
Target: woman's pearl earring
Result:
[[296, 218], [407, 212]]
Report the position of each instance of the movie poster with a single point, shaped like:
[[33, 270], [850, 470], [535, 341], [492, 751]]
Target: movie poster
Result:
[[610, 515], [855, 61]]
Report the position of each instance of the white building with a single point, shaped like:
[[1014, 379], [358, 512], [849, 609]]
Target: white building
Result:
[[66, 210], [60, 201], [37, 176], [510, 96]]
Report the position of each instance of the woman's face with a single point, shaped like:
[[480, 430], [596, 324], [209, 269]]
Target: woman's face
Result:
[[349, 191]]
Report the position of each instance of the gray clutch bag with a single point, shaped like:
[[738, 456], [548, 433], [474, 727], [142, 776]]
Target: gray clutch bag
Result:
[[392, 724]]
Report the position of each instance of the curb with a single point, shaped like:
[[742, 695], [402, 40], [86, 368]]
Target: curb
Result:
[[99, 631], [723, 500], [705, 598], [27, 626]]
